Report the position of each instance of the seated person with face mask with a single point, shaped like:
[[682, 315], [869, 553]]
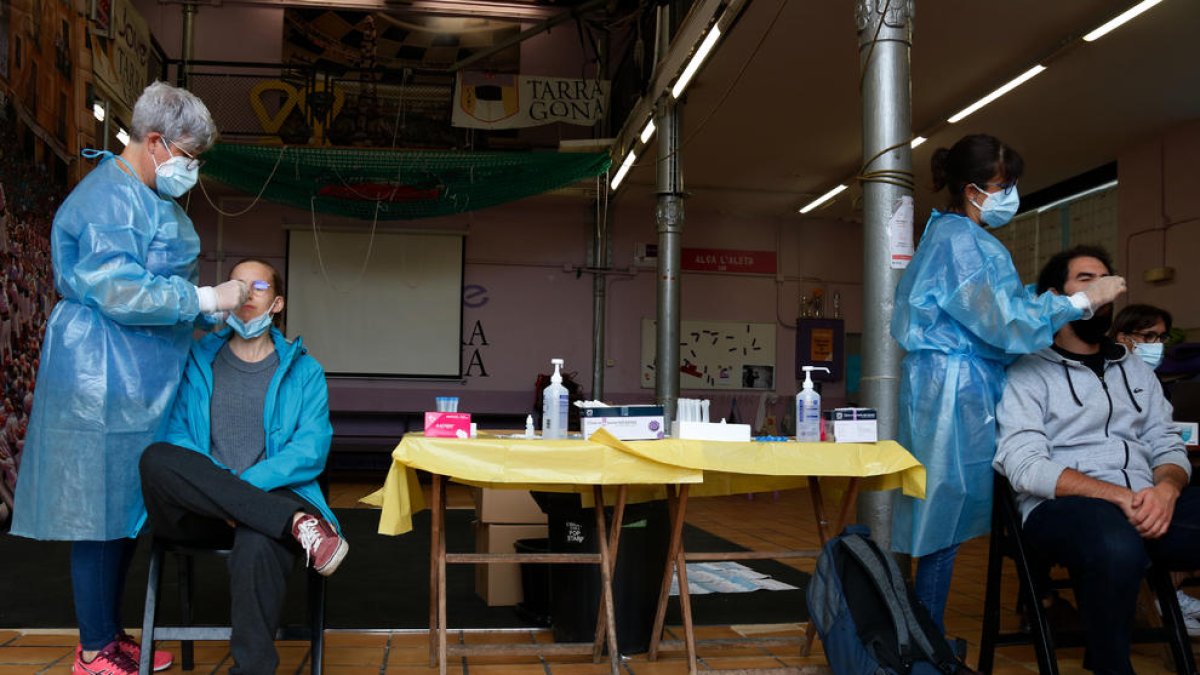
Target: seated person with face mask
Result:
[[1143, 330], [247, 437], [1099, 471]]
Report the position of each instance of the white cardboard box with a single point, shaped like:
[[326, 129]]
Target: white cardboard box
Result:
[[626, 422], [854, 431], [710, 431]]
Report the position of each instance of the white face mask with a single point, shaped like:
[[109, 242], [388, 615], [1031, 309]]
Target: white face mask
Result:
[[1151, 352], [174, 177]]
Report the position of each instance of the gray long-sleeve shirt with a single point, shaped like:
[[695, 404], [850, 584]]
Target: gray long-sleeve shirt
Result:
[[239, 438], [1057, 414]]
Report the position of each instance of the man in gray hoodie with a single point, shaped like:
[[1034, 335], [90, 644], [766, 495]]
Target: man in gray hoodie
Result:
[[1100, 472]]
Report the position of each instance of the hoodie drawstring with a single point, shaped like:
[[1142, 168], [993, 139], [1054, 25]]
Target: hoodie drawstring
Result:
[[1070, 384], [1129, 391]]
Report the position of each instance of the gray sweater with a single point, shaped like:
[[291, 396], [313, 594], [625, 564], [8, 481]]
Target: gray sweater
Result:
[[1057, 414]]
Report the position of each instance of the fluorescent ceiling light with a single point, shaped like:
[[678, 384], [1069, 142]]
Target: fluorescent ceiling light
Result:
[[98, 111], [917, 141], [706, 46], [625, 166], [1013, 84], [823, 198], [1119, 20], [123, 136], [1077, 195], [647, 132]]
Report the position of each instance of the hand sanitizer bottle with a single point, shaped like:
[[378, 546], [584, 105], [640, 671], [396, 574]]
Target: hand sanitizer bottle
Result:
[[808, 409], [554, 405]]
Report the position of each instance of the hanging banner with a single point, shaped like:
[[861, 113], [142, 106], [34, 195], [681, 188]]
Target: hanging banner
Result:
[[727, 260], [497, 101], [123, 70]]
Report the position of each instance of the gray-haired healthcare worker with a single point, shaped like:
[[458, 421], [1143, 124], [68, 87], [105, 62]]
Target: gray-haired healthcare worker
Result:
[[124, 255], [962, 315]]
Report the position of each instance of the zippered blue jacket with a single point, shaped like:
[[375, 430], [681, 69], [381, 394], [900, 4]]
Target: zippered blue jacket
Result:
[[295, 417]]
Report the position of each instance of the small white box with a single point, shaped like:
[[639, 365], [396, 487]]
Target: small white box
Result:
[[710, 431], [1189, 432], [855, 431]]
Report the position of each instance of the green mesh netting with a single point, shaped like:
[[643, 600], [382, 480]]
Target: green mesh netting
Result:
[[395, 185]]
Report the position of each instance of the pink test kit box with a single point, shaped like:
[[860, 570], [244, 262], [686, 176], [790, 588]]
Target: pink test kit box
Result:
[[447, 425]]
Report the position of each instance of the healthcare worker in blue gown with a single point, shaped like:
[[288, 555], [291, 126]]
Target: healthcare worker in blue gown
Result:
[[962, 315], [124, 255]]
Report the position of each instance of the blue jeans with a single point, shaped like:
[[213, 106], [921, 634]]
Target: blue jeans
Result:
[[98, 570], [1107, 560], [932, 583]]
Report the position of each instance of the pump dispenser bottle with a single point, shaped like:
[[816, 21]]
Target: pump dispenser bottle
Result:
[[808, 409], [554, 405]]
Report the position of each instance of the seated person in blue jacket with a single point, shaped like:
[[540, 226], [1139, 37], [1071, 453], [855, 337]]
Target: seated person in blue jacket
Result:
[[1100, 473], [247, 437]]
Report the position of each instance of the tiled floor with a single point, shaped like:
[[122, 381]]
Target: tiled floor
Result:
[[764, 522]]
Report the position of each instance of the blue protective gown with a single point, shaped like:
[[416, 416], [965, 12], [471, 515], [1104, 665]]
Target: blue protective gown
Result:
[[115, 346], [962, 315]]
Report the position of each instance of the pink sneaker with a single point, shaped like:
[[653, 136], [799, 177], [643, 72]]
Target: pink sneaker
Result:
[[161, 661], [109, 661], [323, 548]]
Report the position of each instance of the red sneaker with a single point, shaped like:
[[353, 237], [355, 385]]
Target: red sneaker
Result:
[[323, 547], [161, 661], [109, 661]]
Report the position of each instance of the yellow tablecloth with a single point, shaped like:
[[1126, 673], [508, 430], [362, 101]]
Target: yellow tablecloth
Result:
[[759, 466], [514, 463], [712, 467]]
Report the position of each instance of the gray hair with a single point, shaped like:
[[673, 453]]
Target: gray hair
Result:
[[179, 115]]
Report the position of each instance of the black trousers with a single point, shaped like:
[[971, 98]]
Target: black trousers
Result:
[[1107, 560], [189, 499]]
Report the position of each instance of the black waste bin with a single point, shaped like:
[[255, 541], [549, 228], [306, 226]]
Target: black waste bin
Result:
[[535, 583], [575, 588]]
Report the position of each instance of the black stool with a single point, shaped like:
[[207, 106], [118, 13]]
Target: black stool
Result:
[[1007, 542], [314, 631]]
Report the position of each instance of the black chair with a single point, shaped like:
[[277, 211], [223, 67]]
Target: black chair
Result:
[[313, 631], [1007, 542]]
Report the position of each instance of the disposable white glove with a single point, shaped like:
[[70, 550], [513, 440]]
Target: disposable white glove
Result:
[[1104, 290], [222, 297]]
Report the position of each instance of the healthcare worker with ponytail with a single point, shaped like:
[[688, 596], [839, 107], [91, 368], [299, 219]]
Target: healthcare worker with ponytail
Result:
[[963, 315], [124, 255]]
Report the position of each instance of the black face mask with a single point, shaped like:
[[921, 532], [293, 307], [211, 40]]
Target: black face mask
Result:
[[1093, 330]]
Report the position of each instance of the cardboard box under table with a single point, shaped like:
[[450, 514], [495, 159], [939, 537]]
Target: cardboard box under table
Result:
[[520, 464], [501, 584], [735, 468], [513, 507]]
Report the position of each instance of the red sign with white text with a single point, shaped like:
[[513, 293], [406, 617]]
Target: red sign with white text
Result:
[[728, 260]]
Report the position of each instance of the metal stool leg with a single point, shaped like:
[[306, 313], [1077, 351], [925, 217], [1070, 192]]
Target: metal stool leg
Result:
[[153, 585]]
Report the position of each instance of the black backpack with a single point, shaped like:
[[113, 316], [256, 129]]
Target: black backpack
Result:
[[869, 621]]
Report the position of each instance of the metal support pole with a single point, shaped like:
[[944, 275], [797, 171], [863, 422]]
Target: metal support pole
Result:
[[884, 42], [601, 259], [668, 216], [189, 41]]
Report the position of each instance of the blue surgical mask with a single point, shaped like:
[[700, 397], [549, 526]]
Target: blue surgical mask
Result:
[[1151, 352], [252, 328], [174, 177], [999, 207]]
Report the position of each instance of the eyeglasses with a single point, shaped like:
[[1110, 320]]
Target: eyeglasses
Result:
[[1150, 336], [260, 286], [194, 163], [1006, 188]]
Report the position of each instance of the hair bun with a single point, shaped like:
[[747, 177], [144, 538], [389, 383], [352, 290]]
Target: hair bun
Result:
[[938, 164]]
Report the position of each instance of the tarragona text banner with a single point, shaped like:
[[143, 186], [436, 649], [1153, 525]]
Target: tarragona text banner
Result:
[[510, 101]]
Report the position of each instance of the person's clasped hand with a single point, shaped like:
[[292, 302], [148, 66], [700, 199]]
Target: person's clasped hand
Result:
[[1104, 290], [222, 297], [1152, 510]]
